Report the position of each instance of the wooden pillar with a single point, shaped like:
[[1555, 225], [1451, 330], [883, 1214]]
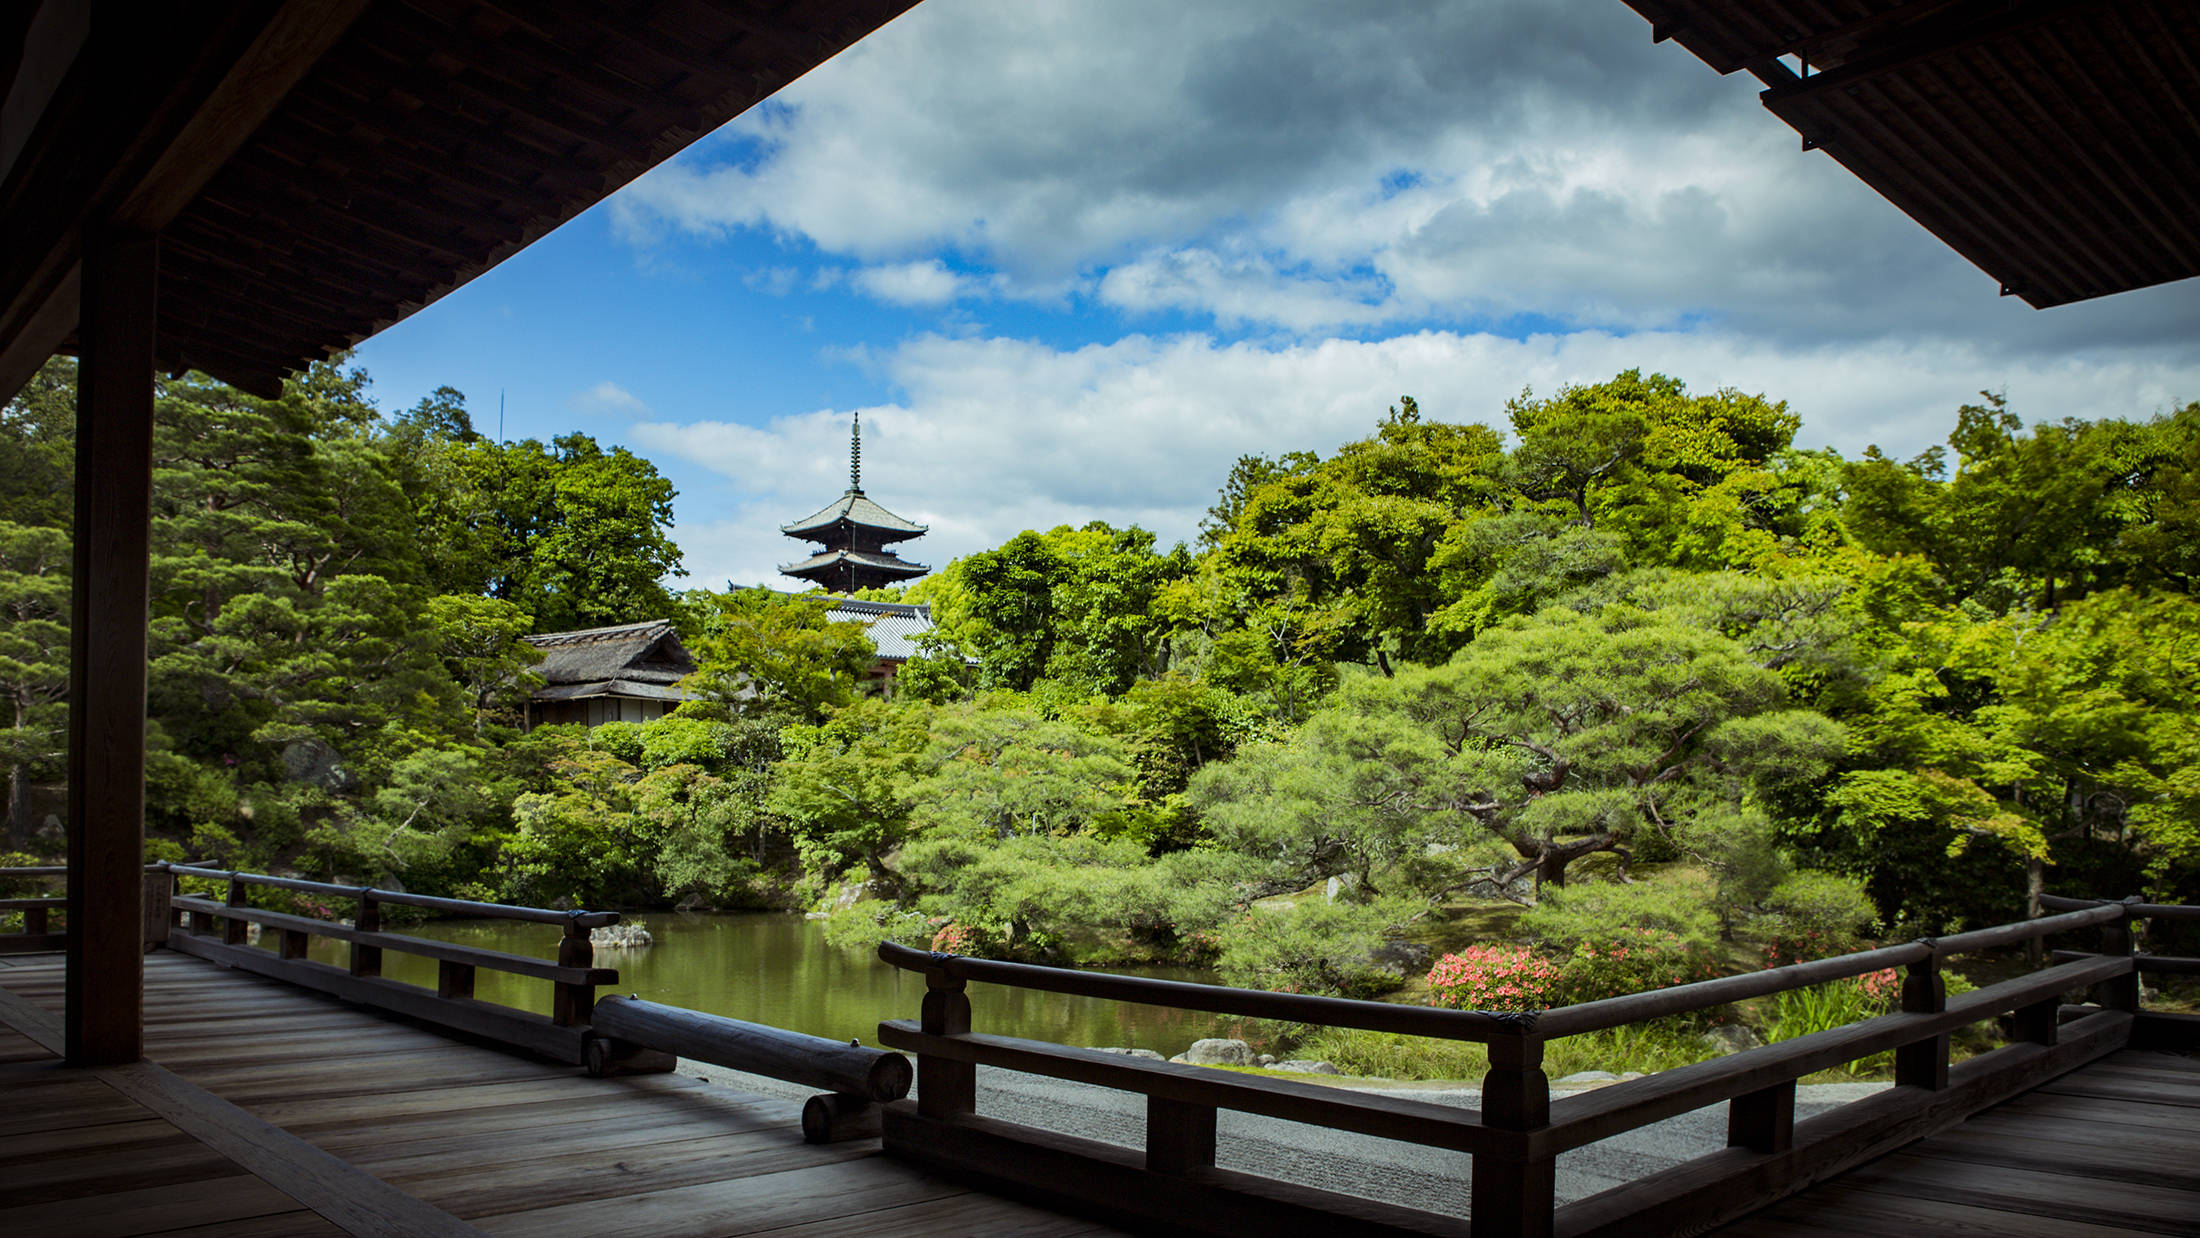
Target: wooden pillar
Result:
[[1514, 1194], [945, 1089], [104, 1023], [2119, 992], [1924, 1063], [573, 1004]]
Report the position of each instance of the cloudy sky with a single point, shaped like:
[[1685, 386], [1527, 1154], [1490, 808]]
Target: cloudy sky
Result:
[[1071, 258]]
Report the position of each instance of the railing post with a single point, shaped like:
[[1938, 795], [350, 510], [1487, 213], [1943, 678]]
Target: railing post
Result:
[[1763, 1121], [233, 927], [1179, 1137], [160, 914], [454, 979], [2119, 992], [1923, 1063], [945, 1089], [34, 920], [1512, 1194], [573, 1002], [367, 960]]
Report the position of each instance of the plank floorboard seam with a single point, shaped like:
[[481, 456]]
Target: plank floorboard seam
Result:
[[347, 1196], [343, 1194]]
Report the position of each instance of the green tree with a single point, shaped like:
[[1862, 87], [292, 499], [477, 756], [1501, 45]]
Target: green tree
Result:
[[1331, 559], [34, 662], [1558, 737], [776, 651]]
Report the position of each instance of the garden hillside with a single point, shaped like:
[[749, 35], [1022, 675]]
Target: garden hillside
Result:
[[1618, 688]]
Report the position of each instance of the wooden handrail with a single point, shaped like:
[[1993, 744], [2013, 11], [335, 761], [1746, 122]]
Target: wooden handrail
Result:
[[565, 1035], [1517, 1135], [1386, 1117], [430, 902], [443, 951], [1583, 1119], [1471, 1025]]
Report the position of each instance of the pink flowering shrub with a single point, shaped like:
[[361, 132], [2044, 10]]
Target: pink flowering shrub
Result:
[[1882, 988], [1622, 960], [1493, 978], [954, 939]]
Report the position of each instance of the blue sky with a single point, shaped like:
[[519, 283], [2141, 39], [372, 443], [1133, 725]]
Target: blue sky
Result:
[[1071, 259]]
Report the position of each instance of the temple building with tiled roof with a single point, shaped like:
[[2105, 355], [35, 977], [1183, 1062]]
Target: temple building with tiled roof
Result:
[[854, 533], [628, 673]]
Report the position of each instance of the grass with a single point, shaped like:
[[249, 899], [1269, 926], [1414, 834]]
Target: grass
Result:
[[1647, 1048]]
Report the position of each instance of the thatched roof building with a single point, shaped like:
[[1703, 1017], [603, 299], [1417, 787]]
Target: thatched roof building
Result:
[[628, 673]]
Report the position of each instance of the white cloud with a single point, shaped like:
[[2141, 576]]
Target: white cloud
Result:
[[608, 397], [997, 435], [910, 283], [1310, 164]]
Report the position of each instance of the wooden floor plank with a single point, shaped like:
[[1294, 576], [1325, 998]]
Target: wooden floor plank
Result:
[[1859, 1210], [513, 1184], [972, 1214], [741, 1206], [2125, 1089], [2098, 1110], [2074, 1197], [92, 1172], [213, 1200], [355, 1200], [300, 1223], [2137, 1160]]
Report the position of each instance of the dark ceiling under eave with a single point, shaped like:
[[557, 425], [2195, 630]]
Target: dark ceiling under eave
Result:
[[2054, 144], [430, 140]]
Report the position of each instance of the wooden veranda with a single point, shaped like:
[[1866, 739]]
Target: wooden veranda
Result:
[[264, 1109], [392, 1128]]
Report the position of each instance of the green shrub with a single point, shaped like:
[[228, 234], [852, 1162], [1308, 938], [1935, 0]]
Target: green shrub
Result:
[[1814, 915], [1570, 915], [1314, 947], [861, 927], [1629, 959]]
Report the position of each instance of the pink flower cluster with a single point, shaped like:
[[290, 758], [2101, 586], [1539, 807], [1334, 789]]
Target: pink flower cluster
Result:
[[954, 939], [1883, 987], [1493, 978]]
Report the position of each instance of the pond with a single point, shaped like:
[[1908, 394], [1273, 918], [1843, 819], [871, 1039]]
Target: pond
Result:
[[777, 969]]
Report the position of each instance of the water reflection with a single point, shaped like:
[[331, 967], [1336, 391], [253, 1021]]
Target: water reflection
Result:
[[777, 969]]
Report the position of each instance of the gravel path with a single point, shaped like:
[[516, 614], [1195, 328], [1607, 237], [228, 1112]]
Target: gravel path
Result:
[[1334, 1160]]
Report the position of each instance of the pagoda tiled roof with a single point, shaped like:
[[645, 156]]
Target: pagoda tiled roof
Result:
[[857, 510], [894, 564]]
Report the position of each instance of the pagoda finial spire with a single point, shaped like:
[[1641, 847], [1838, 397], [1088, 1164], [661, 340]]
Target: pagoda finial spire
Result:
[[855, 454]]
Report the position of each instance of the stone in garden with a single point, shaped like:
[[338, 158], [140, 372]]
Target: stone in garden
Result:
[[1216, 1052], [1144, 1053], [1591, 1076], [1307, 1066], [1730, 1038], [1265, 1059], [1402, 959]]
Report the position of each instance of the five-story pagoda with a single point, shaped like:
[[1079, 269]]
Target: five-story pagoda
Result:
[[855, 532]]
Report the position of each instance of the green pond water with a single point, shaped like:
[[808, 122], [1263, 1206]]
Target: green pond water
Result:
[[777, 969]]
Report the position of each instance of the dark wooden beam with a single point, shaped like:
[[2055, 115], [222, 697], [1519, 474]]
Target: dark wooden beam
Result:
[[42, 334], [114, 499]]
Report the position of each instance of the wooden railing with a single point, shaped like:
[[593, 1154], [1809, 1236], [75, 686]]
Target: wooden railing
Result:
[[215, 928], [36, 931], [1516, 1136]]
